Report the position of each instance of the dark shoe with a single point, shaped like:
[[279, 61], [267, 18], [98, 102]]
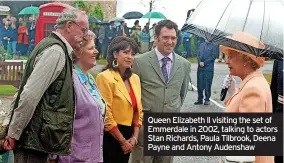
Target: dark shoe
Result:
[[198, 103], [207, 103]]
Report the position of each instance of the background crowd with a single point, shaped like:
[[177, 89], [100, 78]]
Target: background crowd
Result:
[[18, 35], [144, 37], [101, 119]]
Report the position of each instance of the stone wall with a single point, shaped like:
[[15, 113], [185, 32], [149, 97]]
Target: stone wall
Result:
[[109, 8]]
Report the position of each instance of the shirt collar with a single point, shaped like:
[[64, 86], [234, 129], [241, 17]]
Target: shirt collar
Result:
[[161, 56], [82, 77], [69, 47]]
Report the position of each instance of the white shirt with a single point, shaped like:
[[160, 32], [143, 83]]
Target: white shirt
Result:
[[169, 63]]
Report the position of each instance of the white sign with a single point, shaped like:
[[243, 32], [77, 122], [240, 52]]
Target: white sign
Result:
[[51, 13], [4, 8]]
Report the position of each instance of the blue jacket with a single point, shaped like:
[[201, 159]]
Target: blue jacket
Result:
[[14, 34], [6, 32], [145, 37], [207, 53]]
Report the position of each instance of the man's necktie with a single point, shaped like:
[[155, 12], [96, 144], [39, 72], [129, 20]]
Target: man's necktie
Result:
[[164, 68]]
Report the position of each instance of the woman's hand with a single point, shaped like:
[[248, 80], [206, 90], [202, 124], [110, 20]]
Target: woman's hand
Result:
[[126, 147], [132, 141], [230, 83], [52, 161]]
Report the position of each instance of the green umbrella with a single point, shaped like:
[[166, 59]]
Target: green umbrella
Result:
[[156, 15], [29, 11]]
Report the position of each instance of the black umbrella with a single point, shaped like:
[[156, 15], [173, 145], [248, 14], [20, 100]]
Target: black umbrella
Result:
[[215, 21], [93, 19], [104, 23], [133, 15]]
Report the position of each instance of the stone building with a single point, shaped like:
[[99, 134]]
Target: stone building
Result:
[[108, 6]]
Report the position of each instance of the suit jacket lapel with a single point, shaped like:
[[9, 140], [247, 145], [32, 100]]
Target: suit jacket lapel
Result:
[[155, 64], [121, 86], [176, 66]]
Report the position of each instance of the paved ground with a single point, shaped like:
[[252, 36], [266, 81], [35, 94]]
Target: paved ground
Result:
[[220, 72]]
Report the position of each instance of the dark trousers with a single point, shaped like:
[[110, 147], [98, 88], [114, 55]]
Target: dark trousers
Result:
[[105, 48], [29, 156], [278, 159], [111, 148], [151, 45], [204, 82], [5, 44]]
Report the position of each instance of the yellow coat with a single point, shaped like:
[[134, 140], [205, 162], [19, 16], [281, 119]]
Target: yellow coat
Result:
[[119, 105], [254, 95]]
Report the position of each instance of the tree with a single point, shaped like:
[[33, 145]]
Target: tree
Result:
[[99, 12], [93, 10], [81, 4]]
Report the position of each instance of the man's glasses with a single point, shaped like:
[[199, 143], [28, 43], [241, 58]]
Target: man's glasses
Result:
[[84, 30]]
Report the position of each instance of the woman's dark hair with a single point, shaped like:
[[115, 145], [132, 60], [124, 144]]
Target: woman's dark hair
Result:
[[165, 23], [117, 44]]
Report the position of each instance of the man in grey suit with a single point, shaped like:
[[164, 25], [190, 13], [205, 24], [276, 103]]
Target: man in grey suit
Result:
[[164, 77]]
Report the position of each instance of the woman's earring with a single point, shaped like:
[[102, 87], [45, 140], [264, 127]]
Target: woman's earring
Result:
[[114, 63]]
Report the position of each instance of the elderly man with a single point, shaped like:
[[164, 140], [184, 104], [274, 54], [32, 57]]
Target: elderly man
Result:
[[42, 112]]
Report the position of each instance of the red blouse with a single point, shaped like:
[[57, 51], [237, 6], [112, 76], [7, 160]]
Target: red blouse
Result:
[[134, 104], [133, 99]]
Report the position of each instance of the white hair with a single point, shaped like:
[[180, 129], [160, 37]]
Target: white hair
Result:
[[69, 14]]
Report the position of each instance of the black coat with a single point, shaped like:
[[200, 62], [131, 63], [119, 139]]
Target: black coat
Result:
[[277, 85]]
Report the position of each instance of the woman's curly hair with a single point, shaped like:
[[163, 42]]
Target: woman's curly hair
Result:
[[117, 44]]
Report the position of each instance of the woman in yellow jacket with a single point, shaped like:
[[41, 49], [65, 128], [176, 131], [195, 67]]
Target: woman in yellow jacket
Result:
[[122, 92]]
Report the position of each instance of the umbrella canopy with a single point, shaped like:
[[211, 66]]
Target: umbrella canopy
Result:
[[133, 15], [156, 15], [29, 11], [104, 23], [93, 19], [217, 21], [116, 19]]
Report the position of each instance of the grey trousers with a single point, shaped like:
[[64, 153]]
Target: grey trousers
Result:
[[29, 156], [137, 155]]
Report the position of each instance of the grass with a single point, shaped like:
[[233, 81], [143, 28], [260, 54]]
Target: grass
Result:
[[268, 77], [192, 60], [102, 61], [7, 90]]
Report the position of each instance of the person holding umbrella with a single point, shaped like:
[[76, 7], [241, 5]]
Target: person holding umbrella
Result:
[[254, 93], [276, 87]]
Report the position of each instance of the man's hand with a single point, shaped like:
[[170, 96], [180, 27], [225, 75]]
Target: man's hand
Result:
[[9, 143], [201, 64]]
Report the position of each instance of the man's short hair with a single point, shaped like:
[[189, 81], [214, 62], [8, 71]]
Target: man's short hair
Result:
[[69, 14], [165, 23]]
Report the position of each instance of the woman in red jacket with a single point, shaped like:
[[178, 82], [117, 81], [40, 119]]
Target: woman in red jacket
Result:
[[23, 38]]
